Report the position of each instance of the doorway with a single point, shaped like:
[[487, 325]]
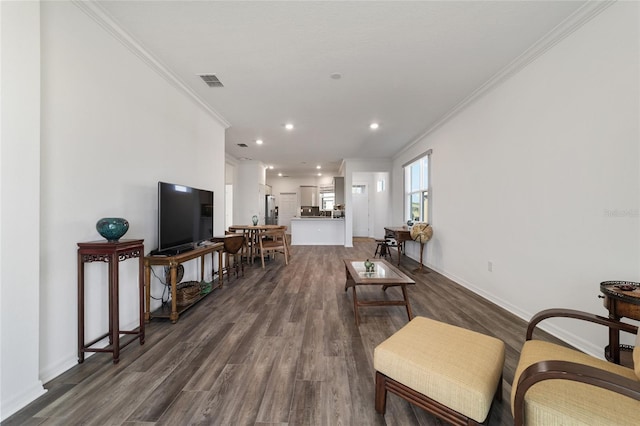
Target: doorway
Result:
[[360, 200], [287, 208]]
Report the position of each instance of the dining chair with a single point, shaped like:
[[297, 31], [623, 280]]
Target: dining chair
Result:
[[273, 241], [234, 247], [247, 247], [286, 240]]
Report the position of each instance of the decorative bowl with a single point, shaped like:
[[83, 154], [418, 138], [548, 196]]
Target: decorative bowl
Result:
[[112, 228]]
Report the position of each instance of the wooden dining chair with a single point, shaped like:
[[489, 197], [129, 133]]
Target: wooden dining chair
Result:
[[286, 240], [234, 246], [273, 241], [248, 243]]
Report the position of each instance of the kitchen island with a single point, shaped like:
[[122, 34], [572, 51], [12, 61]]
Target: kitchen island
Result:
[[317, 231]]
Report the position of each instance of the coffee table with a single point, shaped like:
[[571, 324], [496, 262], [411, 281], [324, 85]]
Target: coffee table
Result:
[[384, 274]]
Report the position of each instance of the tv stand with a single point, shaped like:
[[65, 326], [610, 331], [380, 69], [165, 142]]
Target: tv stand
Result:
[[172, 261]]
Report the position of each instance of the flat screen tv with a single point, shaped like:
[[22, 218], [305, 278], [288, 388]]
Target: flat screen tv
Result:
[[185, 217]]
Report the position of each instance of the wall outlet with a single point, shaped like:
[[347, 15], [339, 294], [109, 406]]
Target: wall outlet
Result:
[[490, 266]]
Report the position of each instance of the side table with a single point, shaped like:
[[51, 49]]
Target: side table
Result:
[[113, 253], [622, 299]]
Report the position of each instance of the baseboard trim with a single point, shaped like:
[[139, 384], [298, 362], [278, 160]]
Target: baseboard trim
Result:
[[17, 402], [570, 338]]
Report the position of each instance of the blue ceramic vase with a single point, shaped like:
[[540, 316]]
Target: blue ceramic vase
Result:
[[112, 228], [254, 219]]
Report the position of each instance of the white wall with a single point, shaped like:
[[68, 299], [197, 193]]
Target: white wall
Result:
[[250, 179], [19, 204], [230, 173], [381, 205], [541, 176], [110, 129], [292, 184]]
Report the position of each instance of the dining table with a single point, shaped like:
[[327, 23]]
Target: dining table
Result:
[[250, 233]]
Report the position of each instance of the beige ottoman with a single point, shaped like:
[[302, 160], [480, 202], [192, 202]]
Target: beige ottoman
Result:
[[452, 372]]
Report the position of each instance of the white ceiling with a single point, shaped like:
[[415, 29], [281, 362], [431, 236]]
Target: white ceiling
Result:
[[403, 64]]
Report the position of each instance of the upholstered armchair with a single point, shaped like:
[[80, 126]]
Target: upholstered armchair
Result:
[[555, 385]]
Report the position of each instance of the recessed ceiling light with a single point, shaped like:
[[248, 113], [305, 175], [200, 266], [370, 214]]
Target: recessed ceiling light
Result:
[[318, 167], [288, 126], [259, 141], [319, 174], [279, 174], [270, 167], [374, 126]]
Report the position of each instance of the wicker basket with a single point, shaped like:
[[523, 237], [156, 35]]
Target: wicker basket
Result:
[[188, 293]]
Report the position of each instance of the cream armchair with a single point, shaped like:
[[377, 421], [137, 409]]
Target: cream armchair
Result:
[[555, 385]]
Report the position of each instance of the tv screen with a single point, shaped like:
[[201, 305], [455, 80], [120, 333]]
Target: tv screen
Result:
[[185, 216], [205, 224]]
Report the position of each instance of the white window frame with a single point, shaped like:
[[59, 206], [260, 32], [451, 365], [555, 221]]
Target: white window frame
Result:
[[327, 197], [422, 191]]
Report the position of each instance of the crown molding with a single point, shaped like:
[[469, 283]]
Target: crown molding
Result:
[[101, 16], [573, 22]]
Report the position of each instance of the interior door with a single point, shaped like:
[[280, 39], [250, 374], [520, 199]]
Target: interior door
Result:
[[287, 208], [360, 200]]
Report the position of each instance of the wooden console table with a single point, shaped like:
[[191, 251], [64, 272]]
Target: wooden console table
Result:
[[622, 299], [400, 234], [112, 253], [172, 262]]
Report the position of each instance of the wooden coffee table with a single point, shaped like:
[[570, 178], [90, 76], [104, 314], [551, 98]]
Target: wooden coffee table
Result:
[[384, 274]]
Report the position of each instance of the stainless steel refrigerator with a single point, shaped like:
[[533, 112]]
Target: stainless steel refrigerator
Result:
[[270, 211]]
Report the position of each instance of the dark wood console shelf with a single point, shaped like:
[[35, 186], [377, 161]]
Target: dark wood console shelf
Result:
[[173, 311], [112, 253]]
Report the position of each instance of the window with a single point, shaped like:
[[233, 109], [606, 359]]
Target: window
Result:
[[327, 197], [358, 189], [416, 188]]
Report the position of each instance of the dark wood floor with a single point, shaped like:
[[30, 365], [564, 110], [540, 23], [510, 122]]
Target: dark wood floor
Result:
[[278, 346]]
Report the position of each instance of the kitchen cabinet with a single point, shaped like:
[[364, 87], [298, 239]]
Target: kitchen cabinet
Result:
[[317, 231]]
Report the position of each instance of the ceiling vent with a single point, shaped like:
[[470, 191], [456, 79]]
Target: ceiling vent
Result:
[[243, 145], [211, 80]]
